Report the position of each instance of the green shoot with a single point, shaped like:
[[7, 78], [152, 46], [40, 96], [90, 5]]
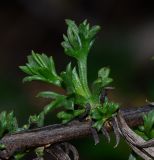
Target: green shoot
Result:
[[77, 44]]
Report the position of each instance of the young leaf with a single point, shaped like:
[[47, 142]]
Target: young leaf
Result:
[[79, 39], [36, 120], [48, 94], [98, 124], [54, 104], [77, 44], [146, 131], [41, 68], [102, 113], [68, 116], [67, 79], [77, 84], [8, 123], [148, 122], [12, 124], [102, 81]]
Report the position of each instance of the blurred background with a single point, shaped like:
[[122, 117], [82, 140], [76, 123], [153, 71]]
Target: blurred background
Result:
[[125, 44]]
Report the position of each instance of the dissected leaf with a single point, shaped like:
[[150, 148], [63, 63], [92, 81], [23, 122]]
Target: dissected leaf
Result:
[[146, 131], [77, 43], [12, 124], [8, 123], [79, 39], [19, 156], [41, 68], [36, 120], [39, 152], [102, 113], [148, 121], [54, 104]]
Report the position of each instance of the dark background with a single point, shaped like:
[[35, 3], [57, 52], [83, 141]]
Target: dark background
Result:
[[125, 44]]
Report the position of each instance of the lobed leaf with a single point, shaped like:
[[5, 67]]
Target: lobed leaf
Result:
[[68, 116], [79, 39], [41, 68], [8, 123], [146, 131], [102, 113]]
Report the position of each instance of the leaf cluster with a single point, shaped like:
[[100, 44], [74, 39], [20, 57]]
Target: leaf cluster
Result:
[[39, 67], [103, 113], [77, 44], [8, 123], [146, 130]]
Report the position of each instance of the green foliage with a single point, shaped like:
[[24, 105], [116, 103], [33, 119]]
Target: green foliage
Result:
[[146, 131], [68, 116], [79, 39], [103, 112], [132, 157], [42, 68], [39, 152], [77, 44], [19, 156], [2, 146], [8, 123]]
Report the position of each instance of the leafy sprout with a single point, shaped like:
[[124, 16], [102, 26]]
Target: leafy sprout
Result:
[[77, 44], [8, 123], [42, 68], [146, 130]]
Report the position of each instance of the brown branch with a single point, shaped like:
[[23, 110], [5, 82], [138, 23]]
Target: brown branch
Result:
[[59, 133]]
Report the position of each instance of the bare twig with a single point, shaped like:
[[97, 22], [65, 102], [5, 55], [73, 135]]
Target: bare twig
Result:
[[61, 133]]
